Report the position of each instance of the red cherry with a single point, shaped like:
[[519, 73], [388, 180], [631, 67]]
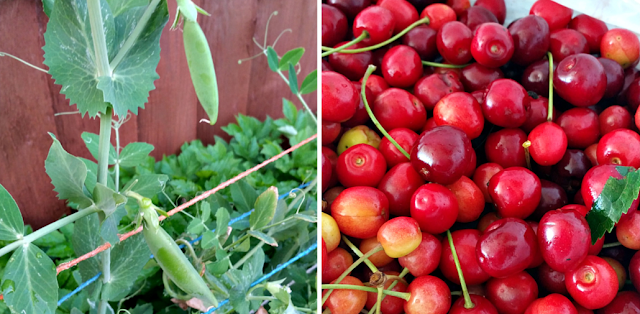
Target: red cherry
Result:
[[430, 89], [376, 84], [454, 42], [326, 173], [620, 45], [431, 123], [401, 66], [351, 65], [397, 108], [360, 211], [497, 7], [535, 77], [628, 230], [334, 25], [512, 294], [438, 15], [581, 126], [465, 242], [624, 302], [591, 28], [504, 147], [461, 110], [565, 42], [492, 45], [552, 304], [483, 174], [477, 77], [531, 39], [470, 199], [425, 258], [593, 283], [594, 182], [458, 5], [339, 97], [428, 295], [338, 261], [423, 40], [553, 197], [350, 7], [548, 143], [580, 80], [630, 74], [434, 207], [551, 280], [398, 185], [405, 138], [325, 256], [330, 132], [564, 238], [556, 15], [379, 259], [619, 147], [537, 256], [347, 301], [377, 21], [537, 113], [512, 202], [594, 249], [481, 306], [403, 12], [506, 103], [390, 304], [361, 116], [475, 16], [506, 248], [613, 118], [333, 159], [361, 165], [442, 154]]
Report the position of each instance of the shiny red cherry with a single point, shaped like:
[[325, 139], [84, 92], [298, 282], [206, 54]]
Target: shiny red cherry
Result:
[[423, 40], [339, 97], [470, 199], [565, 42], [434, 207], [619, 147], [351, 65], [461, 110], [377, 21], [504, 147], [483, 174], [564, 238], [475, 16], [507, 247], [403, 13], [492, 45], [429, 294], [425, 258], [405, 138], [591, 28], [397, 108], [624, 302], [613, 118], [454, 42], [465, 242], [548, 143], [593, 283], [497, 7], [580, 80], [476, 77], [512, 294], [535, 77], [361, 165], [481, 306], [515, 191], [556, 15], [334, 25], [399, 184], [431, 88], [531, 39], [506, 103], [552, 304], [438, 14], [401, 66]]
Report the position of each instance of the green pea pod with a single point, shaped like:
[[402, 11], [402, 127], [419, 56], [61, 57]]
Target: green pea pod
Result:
[[188, 9], [172, 260], [203, 74]]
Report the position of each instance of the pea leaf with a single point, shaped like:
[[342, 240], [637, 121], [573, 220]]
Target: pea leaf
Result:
[[195, 226], [272, 59], [243, 195], [293, 79], [86, 237], [265, 208], [29, 283], [310, 83], [148, 185], [614, 200], [127, 259], [134, 154], [47, 6], [222, 221], [107, 199], [11, 223], [292, 56], [67, 174], [263, 237], [91, 140]]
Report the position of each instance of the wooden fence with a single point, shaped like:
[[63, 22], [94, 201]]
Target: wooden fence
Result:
[[29, 98]]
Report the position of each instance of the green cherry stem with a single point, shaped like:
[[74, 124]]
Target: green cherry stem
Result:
[[379, 300], [442, 65], [527, 156], [382, 44], [456, 292], [402, 295], [550, 113], [358, 39], [359, 253], [404, 272], [351, 268], [370, 70], [614, 244], [465, 293]]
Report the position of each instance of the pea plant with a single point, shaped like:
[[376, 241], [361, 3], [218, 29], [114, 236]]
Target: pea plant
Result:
[[104, 54]]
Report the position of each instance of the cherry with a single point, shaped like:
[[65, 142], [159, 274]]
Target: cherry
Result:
[[593, 283], [548, 143], [405, 138], [330, 132], [481, 306], [628, 230], [477, 77], [461, 110], [390, 304], [471, 166], [347, 301], [377, 21], [434, 207], [581, 125], [351, 65], [506, 248], [537, 256], [551, 280], [487, 220], [333, 159], [459, 6], [492, 45], [330, 232], [326, 66], [515, 202], [591, 153], [399, 236], [330, 195], [595, 248], [326, 173], [379, 259], [403, 12], [360, 134], [591, 28], [470, 199], [556, 15], [613, 118], [334, 25], [483, 174], [621, 272], [325, 256], [619, 147], [531, 39], [633, 94], [620, 45], [594, 182], [431, 88], [350, 7], [465, 242], [475, 16], [497, 7], [431, 123], [454, 42], [337, 262], [564, 238], [624, 302], [399, 184], [512, 294], [360, 211], [361, 165], [401, 66], [535, 77], [565, 42], [634, 270], [552, 197], [339, 97], [428, 295], [396, 108], [442, 154], [506, 103], [361, 116], [630, 74], [438, 14], [425, 258], [580, 80], [423, 40], [537, 113], [552, 304], [376, 84]]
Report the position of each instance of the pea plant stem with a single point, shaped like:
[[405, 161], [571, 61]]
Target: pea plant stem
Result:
[[550, 112], [402, 295], [299, 96], [99, 40], [350, 269], [370, 70], [468, 304], [359, 253], [131, 40]]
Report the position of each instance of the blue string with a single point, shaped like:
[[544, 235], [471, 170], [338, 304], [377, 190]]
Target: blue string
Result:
[[232, 221], [271, 273]]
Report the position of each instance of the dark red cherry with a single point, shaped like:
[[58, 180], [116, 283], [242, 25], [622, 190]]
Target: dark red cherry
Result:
[[548, 143], [624, 302], [537, 257], [339, 97], [512, 294], [633, 94], [333, 159], [399, 184], [477, 77], [630, 74], [619, 147], [430, 89], [351, 65], [552, 304], [591, 28], [531, 39], [506, 103], [580, 80], [454, 42], [504, 147], [613, 118], [565, 42], [461, 110], [506, 247], [377, 21], [564, 238], [497, 7], [423, 40], [515, 202], [570, 170], [401, 66], [556, 15], [482, 175], [350, 7], [552, 197], [326, 173], [492, 45], [465, 242], [634, 270], [535, 77], [537, 113], [581, 125], [396, 108], [405, 138], [403, 12], [459, 6], [441, 154], [551, 280], [481, 306], [475, 16], [334, 25]]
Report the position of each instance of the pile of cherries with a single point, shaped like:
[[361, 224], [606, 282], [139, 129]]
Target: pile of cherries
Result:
[[470, 160]]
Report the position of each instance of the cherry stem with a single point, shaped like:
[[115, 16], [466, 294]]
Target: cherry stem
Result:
[[379, 300], [404, 272], [550, 113], [614, 244], [402, 295], [351, 268], [468, 304], [359, 253], [456, 292], [396, 278], [358, 39], [382, 44], [363, 95], [527, 156], [442, 65]]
